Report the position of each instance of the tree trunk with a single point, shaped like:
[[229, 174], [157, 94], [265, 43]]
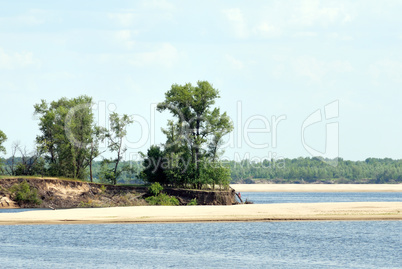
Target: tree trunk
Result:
[[90, 169], [90, 162]]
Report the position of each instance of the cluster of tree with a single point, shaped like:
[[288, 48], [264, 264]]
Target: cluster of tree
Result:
[[26, 163], [308, 170], [190, 156], [69, 142], [128, 173], [3, 138]]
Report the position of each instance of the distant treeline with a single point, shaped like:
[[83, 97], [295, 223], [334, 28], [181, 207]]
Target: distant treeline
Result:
[[68, 146], [310, 170], [300, 170]]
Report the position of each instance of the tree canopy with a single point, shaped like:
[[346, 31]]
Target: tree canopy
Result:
[[66, 129], [69, 140], [190, 154], [3, 138], [115, 136]]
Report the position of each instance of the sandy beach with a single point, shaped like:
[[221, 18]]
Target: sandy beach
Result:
[[317, 187], [250, 212]]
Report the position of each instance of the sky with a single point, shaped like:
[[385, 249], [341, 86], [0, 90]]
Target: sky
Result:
[[298, 78]]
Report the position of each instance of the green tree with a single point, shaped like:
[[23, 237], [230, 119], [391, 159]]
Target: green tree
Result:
[[195, 137], [29, 162], [219, 125], [66, 129], [152, 164], [115, 137], [214, 174], [3, 138], [98, 134]]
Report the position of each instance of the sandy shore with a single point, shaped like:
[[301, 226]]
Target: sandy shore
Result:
[[252, 212], [317, 187]]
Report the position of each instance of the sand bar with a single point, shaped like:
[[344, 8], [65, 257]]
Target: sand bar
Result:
[[250, 212], [317, 187]]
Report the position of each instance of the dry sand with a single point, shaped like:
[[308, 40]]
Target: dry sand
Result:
[[317, 187], [250, 212]]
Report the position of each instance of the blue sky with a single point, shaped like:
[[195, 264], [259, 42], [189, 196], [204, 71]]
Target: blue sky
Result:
[[273, 61]]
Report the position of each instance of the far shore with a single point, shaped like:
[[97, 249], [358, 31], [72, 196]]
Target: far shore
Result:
[[317, 187], [248, 212]]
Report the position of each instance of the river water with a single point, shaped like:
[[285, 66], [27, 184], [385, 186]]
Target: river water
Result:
[[326, 244], [332, 244], [320, 197]]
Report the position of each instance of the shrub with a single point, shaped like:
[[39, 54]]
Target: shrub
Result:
[[193, 202], [24, 193], [162, 199], [155, 189]]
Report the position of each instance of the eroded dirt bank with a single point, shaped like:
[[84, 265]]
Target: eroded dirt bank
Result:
[[57, 193]]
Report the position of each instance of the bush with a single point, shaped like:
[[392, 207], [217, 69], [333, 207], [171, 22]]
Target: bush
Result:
[[155, 189], [193, 202], [162, 199], [24, 193]]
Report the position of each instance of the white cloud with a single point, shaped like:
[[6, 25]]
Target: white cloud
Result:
[[133, 85], [266, 30], [123, 19], [7, 87], [123, 34], [305, 34], [309, 67], [297, 19], [57, 76], [391, 69], [340, 66], [337, 36], [236, 64], [166, 56], [16, 60], [311, 12], [159, 4], [31, 18], [279, 70], [316, 70], [125, 38], [157, 10], [235, 16]]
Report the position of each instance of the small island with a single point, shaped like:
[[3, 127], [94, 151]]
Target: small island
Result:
[[67, 170]]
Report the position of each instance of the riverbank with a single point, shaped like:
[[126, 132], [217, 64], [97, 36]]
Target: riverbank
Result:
[[317, 187], [251, 212], [64, 193]]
